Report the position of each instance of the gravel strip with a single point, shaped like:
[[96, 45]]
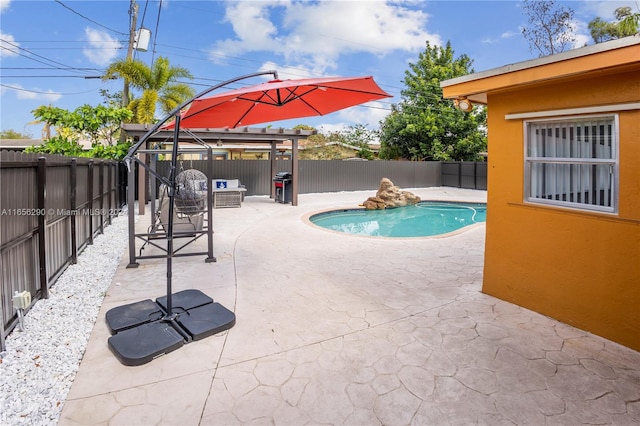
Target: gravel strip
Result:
[[40, 363]]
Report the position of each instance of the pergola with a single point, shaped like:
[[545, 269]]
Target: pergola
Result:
[[198, 141], [211, 137]]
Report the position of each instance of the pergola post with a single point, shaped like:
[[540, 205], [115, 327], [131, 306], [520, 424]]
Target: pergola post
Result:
[[294, 171], [272, 158]]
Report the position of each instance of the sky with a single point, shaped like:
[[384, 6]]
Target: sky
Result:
[[53, 52]]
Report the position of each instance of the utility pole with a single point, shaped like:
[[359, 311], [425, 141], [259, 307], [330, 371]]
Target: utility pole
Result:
[[133, 11], [142, 180]]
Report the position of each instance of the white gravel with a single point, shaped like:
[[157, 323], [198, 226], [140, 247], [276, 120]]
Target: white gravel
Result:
[[40, 363]]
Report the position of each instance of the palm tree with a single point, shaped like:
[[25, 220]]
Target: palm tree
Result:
[[157, 84]]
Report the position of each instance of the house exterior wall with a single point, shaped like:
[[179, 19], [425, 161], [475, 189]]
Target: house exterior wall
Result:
[[578, 267]]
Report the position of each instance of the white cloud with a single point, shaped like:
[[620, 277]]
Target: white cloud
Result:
[[589, 10], [10, 48], [291, 71], [8, 45], [582, 34], [317, 34], [580, 30], [503, 36], [509, 34], [606, 9], [32, 94], [369, 114], [103, 49]]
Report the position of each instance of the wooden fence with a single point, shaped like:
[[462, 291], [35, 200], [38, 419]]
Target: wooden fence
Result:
[[51, 208]]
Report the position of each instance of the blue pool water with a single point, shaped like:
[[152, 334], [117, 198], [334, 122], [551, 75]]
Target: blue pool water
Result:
[[424, 219]]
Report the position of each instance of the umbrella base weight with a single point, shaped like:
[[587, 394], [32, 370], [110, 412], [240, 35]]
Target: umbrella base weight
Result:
[[133, 315], [143, 331], [207, 320], [144, 343], [185, 300]]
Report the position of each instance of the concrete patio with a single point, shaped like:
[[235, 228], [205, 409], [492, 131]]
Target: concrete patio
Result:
[[337, 329]]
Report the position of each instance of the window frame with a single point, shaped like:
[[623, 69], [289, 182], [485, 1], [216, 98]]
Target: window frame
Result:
[[614, 169]]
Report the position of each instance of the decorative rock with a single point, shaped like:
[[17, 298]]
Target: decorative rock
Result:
[[374, 203], [390, 196]]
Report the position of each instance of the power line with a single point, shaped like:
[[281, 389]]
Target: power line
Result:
[[58, 41], [89, 19], [155, 36], [47, 76], [28, 57], [34, 54], [78, 48], [49, 68], [20, 89], [388, 87]]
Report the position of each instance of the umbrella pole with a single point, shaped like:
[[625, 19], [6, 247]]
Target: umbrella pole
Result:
[[172, 193]]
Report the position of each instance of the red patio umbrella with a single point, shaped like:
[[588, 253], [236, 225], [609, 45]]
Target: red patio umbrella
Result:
[[145, 330], [279, 100]]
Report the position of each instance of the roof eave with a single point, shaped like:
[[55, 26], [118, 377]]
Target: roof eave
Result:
[[621, 52]]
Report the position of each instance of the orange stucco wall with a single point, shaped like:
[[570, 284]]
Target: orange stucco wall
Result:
[[580, 268]]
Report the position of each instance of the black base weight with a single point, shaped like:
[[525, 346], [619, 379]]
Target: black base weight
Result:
[[145, 330]]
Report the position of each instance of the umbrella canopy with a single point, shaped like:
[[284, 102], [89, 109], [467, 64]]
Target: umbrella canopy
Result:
[[279, 100]]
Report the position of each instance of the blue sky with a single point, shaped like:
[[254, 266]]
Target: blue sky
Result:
[[50, 50]]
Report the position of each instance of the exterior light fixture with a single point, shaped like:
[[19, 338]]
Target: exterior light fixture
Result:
[[463, 104]]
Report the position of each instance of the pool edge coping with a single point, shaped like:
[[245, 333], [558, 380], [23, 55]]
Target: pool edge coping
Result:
[[306, 218]]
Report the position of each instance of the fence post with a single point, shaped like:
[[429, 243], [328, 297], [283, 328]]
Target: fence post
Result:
[[117, 185], [101, 195], [109, 190], [121, 188], [475, 175], [74, 211], [3, 347], [42, 226], [90, 199], [210, 257]]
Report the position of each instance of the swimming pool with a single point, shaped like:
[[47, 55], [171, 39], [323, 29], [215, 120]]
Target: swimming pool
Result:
[[425, 219]]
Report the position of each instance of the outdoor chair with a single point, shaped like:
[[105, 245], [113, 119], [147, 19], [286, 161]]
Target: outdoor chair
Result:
[[227, 193], [183, 225]]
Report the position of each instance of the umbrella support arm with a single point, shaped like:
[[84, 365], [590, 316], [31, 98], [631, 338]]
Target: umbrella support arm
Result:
[[176, 110]]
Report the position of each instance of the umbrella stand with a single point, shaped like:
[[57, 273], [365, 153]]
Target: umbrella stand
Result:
[[145, 330]]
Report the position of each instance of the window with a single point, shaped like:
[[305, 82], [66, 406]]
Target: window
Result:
[[572, 162]]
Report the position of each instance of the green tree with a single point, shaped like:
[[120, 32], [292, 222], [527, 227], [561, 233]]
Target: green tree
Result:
[[424, 126], [626, 25], [157, 83], [12, 134], [362, 137], [549, 30], [100, 124]]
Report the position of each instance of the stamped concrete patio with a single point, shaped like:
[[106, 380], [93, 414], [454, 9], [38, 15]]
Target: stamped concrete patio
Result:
[[336, 329]]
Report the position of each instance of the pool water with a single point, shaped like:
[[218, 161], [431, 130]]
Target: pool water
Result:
[[421, 220]]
